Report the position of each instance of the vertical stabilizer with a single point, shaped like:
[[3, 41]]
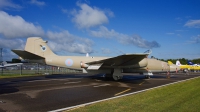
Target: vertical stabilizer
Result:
[[170, 63], [178, 63], [38, 46], [87, 55], [190, 62]]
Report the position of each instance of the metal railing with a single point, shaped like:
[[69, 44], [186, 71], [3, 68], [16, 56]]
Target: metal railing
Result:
[[34, 68]]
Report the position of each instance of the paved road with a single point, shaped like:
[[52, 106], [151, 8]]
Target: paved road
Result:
[[46, 93]]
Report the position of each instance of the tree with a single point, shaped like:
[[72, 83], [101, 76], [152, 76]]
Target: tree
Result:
[[16, 60]]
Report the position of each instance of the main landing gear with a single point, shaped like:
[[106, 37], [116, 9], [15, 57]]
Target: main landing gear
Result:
[[147, 76], [115, 74]]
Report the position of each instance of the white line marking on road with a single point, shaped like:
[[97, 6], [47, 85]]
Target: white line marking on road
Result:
[[101, 85], [98, 80], [46, 80], [85, 104], [72, 82]]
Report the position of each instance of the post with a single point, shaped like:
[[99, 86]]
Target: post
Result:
[[38, 68], [20, 69], [1, 59], [51, 69], [1, 55]]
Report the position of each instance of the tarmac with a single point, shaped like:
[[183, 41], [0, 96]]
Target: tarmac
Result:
[[55, 92]]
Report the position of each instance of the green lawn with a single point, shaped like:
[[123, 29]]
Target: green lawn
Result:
[[181, 97], [17, 75]]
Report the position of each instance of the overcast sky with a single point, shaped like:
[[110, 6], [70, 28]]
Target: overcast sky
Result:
[[170, 28]]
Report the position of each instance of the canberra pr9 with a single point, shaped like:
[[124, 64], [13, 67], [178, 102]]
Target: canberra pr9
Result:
[[36, 50]]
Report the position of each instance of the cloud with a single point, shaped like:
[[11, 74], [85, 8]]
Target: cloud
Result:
[[88, 16], [38, 3], [123, 38], [196, 39], [138, 41], [16, 26], [193, 24], [193, 40], [8, 55], [64, 41], [104, 32], [64, 10], [170, 33], [60, 37], [12, 43], [8, 4]]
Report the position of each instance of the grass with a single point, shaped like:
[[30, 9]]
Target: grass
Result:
[[181, 97], [17, 75]]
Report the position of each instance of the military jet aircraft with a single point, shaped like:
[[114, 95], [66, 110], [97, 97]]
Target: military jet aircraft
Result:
[[196, 67], [36, 50], [186, 68]]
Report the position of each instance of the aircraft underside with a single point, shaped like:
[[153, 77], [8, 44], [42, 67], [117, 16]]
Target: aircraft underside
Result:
[[117, 73]]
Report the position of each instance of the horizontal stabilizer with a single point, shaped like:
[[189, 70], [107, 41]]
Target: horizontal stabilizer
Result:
[[27, 55]]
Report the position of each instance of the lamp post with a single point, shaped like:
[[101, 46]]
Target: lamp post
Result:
[[1, 59], [1, 55]]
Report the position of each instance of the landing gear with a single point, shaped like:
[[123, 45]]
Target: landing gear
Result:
[[115, 75], [186, 71], [147, 77], [116, 78]]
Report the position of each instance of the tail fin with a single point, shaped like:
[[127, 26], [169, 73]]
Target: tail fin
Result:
[[170, 63], [38, 46], [190, 63], [178, 63]]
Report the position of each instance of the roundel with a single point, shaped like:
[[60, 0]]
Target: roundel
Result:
[[69, 62], [43, 48]]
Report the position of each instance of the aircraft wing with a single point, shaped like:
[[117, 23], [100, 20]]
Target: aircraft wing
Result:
[[122, 60], [27, 55], [8, 65]]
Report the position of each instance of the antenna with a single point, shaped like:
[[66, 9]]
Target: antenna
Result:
[[87, 55]]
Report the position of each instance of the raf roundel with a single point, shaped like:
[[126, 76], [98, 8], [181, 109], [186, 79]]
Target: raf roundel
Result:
[[69, 62]]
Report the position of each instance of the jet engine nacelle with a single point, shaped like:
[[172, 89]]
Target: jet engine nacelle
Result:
[[141, 64], [83, 65]]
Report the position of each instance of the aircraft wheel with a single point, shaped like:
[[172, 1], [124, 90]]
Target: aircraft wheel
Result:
[[116, 78], [185, 70], [147, 77]]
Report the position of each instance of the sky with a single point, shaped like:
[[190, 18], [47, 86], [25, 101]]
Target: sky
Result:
[[170, 28]]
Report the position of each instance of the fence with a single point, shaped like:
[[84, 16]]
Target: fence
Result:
[[34, 68]]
